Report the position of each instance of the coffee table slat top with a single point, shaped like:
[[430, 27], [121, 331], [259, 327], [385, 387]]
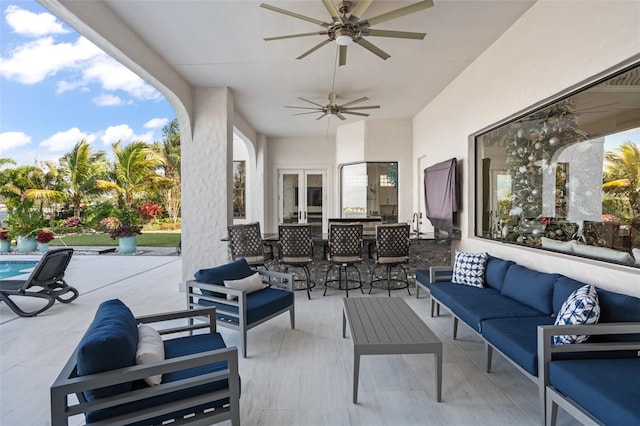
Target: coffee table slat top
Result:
[[386, 321]]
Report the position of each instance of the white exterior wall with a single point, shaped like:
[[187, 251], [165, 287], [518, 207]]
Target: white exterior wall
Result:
[[554, 46]]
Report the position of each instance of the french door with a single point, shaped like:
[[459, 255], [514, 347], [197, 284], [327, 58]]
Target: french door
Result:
[[302, 197]]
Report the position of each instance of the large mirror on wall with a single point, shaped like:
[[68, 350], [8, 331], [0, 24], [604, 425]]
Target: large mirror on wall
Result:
[[369, 189], [565, 177]]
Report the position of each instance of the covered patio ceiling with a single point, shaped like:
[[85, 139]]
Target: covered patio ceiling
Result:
[[218, 43]]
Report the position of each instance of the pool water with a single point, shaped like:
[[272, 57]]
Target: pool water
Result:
[[12, 268]]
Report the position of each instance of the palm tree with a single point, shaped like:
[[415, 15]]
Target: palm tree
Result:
[[622, 174], [134, 173], [81, 169], [169, 151]]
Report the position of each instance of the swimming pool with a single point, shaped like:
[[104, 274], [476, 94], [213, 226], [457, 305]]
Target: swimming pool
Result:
[[11, 268]]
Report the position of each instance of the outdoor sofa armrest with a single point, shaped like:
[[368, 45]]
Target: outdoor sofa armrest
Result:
[[68, 383], [209, 314], [546, 348]]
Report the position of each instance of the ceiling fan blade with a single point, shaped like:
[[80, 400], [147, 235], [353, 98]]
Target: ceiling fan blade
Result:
[[332, 10], [373, 49], [295, 35], [362, 99], [313, 49], [311, 102], [342, 56], [295, 15], [355, 113], [303, 113], [323, 115], [299, 107], [395, 34], [412, 8], [362, 6], [340, 116], [364, 107]]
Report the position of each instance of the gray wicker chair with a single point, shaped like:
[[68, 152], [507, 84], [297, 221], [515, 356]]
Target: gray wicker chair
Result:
[[245, 241], [345, 246], [392, 251], [295, 249]]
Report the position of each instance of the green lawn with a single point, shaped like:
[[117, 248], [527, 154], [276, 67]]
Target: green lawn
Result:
[[148, 239]]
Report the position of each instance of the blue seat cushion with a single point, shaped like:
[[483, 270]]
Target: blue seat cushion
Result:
[[517, 339], [235, 270], [533, 288], [616, 307], [176, 348], [608, 389], [495, 271], [260, 304], [109, 343], [423, 277]]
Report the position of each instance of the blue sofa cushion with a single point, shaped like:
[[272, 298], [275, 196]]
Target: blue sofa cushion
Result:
[[495, 271], [581, 307], [562, 289], [468, 268], [109, 343], [176, 348], [517, 339], [260, 305], [608, 389], [533, 288], [616, 307], [423, 277], [231, 271]]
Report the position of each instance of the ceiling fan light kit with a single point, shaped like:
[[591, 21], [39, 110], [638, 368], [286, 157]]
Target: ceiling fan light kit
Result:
[[347, 27]]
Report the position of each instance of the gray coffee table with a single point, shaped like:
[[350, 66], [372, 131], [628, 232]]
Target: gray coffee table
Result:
[[385, 326]]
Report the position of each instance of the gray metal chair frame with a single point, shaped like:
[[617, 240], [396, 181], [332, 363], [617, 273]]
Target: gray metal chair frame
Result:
[[345, 246], [295, 249], [392, 251], [68, 382], [245, 241], [48, 275]]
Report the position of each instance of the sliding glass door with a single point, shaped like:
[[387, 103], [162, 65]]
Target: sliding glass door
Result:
[[301, 197]]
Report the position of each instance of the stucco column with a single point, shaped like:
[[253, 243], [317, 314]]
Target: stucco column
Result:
[[206, 172]]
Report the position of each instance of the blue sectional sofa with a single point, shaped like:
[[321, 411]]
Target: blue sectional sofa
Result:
[[513, 303], [197, 375]]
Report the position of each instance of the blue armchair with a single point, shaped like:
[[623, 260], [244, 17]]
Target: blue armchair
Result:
[[240, 308]]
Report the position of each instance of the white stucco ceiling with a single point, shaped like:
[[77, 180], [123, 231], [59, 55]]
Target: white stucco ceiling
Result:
[[216, 43]]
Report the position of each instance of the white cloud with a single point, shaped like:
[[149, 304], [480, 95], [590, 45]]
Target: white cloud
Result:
[[65, 141], [107, 100], [28, 23], [112, 76], [156, 123], [124, 134], [12, 140]]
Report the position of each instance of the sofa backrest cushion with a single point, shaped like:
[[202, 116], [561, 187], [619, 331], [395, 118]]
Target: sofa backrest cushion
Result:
[[231, 271], [109, 343], [616, 307], [495, 271], [562, 289], [532, 288]]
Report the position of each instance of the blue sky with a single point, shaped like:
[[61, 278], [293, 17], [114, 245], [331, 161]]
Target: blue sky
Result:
[[57, 88]]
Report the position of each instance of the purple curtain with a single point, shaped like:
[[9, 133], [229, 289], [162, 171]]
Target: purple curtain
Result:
[[441, 194]]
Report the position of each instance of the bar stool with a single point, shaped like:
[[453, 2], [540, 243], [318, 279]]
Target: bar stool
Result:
[[392, 250], [295, 248], [245, 241], [345, 246]]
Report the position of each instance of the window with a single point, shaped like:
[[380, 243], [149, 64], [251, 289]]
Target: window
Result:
[[239, 189], [370, 190], [566, 176]]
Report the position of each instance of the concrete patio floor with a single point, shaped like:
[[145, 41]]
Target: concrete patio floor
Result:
[[290, 377]]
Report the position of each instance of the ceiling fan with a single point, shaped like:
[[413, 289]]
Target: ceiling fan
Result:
[[334, 108], [347, 27]]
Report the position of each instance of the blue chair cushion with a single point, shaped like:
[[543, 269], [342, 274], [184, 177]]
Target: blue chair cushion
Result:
[[176, 348], [517, 339], [608, 389], [109, 343], [533, 288], [260, 304], [235, 270], [423, 277], [495, 271]]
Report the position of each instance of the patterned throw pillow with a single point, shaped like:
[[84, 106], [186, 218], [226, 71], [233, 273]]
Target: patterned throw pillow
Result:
[[468, 268], [581, 307]]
